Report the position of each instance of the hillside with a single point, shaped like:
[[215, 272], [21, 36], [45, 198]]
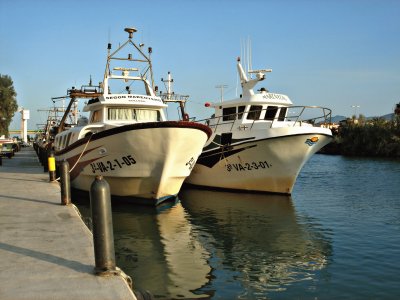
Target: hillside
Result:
[[338, 118]]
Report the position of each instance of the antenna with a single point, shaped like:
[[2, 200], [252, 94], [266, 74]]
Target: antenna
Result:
[[250, 54], [168, 85], [246, 54], [221, 86]]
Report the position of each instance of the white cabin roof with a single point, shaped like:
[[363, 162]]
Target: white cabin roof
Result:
[[260, 98]]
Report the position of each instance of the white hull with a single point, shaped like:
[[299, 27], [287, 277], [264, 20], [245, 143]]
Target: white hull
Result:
[[148, 163], [266, 164]]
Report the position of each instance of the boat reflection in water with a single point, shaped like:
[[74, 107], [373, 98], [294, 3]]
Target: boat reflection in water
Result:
[[217, 245], [256, 242], [157, 248]]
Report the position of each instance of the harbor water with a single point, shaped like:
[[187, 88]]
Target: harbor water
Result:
[[336, 237]]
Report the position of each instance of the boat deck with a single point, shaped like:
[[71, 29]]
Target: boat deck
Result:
[[46, 250]]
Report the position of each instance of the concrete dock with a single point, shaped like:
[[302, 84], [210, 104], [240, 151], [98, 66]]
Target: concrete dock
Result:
[[46, 251]]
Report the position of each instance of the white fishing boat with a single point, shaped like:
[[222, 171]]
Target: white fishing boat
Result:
[[260, 140], [127, 138]]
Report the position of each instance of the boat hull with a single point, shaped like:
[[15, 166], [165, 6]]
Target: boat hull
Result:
[[142, 162], [269, 164]]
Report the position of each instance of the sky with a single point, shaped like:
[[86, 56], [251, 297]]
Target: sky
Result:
[[344, 55]]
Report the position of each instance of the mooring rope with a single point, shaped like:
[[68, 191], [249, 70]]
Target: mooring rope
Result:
[[79, 158]]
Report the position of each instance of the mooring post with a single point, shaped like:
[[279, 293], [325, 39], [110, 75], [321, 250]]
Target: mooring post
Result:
[[40, 156], [51, 161], [45, 154], [65, 183], [103, 236]]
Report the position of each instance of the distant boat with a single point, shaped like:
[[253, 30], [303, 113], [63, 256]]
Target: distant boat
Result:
[[126, 138], [45, 136], [260, 140]]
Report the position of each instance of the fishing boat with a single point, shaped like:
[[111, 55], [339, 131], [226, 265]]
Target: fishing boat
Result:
[[126, 137], [260, 140], [46, 133]]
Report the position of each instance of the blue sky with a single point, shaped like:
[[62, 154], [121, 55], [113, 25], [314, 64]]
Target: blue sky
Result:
[[329, 53]]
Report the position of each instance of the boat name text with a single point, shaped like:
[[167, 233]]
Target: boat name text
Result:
[[111, 165], [275, 96], [248, 166], [134, 98]]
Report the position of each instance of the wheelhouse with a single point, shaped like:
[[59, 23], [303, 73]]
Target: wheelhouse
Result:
[[253, 112], [265, 110]]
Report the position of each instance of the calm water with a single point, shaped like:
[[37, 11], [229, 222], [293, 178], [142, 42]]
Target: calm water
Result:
[[336, 237]]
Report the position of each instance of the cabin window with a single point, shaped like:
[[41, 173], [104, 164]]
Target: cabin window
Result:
[[96, 116], [147, 115], [131, 114], [63, 141], [254, 112], [270, 113], [240, 111], [282, 114], [118, 114], [229, 113], [68, 138]]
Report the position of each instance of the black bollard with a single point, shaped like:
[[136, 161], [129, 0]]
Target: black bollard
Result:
[[40, 156], [58, 166], [51, 161], [1, 159], [65, 183], [103, 236], [44, 161]]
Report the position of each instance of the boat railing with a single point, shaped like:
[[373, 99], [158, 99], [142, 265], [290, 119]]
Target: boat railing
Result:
[[315, 115], [172, 97], [295, 116]]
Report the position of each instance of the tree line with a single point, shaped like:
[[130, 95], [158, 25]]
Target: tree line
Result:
[[8, 103], [377, 137]]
